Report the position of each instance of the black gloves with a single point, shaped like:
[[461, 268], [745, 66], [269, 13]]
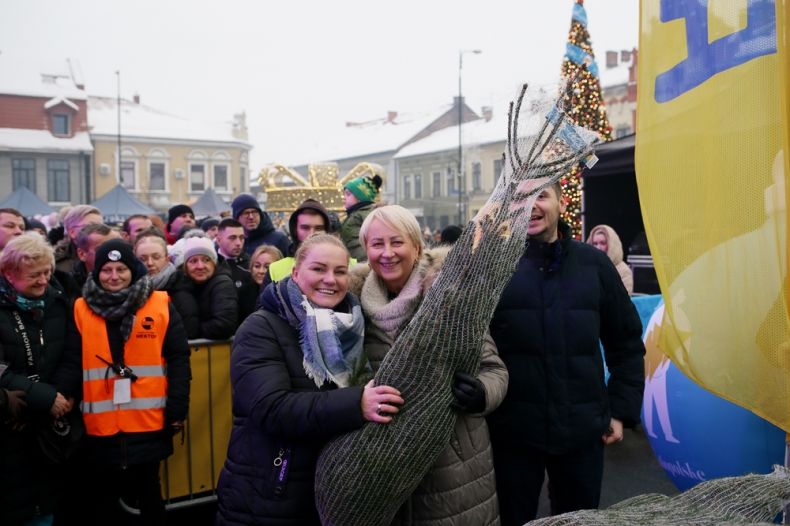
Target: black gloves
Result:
[[12, 403], [469, 393]]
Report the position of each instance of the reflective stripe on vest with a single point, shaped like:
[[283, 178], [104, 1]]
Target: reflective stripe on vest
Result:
[[142, 353]]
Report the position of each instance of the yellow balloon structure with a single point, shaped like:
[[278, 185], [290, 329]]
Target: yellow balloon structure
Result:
[[286, 189]]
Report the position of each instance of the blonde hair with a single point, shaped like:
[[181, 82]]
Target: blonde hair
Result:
[[614, 247], [29, 248], [150, 236], [76, 214], [313, 241], [397, 218], [274, 252]]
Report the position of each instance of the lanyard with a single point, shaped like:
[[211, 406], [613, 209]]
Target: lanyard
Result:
[[31, 363]]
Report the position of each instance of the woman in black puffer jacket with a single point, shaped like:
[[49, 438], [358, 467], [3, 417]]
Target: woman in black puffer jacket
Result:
[[286, 401], [31, 394], [213, 289]]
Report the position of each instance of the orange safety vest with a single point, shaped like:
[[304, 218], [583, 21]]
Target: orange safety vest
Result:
[[142, 353]]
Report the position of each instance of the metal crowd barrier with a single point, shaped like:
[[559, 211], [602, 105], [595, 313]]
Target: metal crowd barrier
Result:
[[190, 475]]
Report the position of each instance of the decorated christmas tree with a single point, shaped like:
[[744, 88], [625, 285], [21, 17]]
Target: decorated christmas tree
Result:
[[586, 106]]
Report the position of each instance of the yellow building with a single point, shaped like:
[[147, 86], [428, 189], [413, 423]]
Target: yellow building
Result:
[[165, 159]]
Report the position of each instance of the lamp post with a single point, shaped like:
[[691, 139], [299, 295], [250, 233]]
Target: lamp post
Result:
[[461, 174]]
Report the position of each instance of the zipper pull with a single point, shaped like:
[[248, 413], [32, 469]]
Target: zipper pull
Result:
[[41, 336], [279, 458]]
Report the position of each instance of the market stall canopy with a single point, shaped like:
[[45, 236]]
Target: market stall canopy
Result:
[[26, 203], [117, 204], [209, 204]]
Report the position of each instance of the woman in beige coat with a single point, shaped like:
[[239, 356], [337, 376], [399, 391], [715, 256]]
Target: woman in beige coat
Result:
[[460, 487], [603, 237]]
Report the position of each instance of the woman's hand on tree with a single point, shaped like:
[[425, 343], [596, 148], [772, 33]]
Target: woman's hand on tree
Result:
[[380, 402]]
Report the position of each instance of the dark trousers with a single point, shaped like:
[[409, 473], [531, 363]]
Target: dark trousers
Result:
[[139, 483], [574, 480]]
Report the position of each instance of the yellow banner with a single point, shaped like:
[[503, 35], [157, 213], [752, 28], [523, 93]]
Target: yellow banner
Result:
[[712, 126]]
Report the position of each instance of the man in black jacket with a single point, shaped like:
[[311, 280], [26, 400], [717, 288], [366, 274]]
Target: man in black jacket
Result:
[[258, 228], [559, 412]]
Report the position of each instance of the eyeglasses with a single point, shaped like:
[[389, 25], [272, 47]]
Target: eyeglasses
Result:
[[249, 212]]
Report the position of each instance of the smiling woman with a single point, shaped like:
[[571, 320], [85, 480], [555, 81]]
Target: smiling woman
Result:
[[37, 382], [212, 288]]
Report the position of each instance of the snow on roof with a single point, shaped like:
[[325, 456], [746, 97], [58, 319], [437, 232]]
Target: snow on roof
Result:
[[19, 77], [42, 140], [615, 76], [51, 103], [139, 120], [473, 133], [371, 137]]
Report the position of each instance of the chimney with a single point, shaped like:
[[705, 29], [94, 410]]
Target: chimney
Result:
[[391, 116], [611, 59], [487, 112], [136, 98]]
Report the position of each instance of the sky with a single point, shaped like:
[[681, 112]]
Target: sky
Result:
[[302, 68]]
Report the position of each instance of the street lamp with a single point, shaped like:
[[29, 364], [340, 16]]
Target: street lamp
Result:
[[461, 174]]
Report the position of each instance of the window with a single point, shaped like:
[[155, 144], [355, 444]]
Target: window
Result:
[[156, 175], [450, 182], [476, 182], [407, 187], [221, 177], [128, 174], [197, 177], [436, 190], [24, 171], [243, 175], [60, 124], [418, 186], [58, 181], [497, 169]]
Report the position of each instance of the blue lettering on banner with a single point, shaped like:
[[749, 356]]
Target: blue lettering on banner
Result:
[[705, 59]]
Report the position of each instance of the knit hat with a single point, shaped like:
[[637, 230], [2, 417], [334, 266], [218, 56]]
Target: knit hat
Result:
[[199, 246], [308, 204], [242, 203], [121, 251], [364, 188], [209, 223], [176, 211]]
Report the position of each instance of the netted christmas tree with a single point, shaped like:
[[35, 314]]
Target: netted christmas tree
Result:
[[586, 107]]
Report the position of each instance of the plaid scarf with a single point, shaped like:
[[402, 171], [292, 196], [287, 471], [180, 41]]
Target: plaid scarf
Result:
[[331, 341], [121, 305]]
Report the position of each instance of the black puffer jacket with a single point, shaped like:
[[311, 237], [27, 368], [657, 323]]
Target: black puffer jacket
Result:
[[28, 483], [179, 288], [276, 407], [218, 305], [563, 297]]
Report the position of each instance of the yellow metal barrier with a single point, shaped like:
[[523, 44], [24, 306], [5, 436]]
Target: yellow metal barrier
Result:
[[190, 475]]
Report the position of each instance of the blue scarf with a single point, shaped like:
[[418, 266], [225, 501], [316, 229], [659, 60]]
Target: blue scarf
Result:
[[23, 303], [331, 341]]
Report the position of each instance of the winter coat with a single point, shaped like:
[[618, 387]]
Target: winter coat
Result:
[[349, 229], [460, 488], [129, 449], [180, 290], [29, 484], [246, 289], [218, 305], [563, 298], [265, 234], [614, 249], [278, 413]]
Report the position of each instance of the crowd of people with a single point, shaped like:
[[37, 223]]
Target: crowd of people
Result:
[[95, 323]]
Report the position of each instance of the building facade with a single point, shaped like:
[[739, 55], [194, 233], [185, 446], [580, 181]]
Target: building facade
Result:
[[44, 140], [618, 83], [165, 159]]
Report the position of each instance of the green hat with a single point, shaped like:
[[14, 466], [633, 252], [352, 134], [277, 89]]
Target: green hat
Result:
[[364, 188]]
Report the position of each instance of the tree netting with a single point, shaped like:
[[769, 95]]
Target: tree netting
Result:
[[363, 477], [748, 499]]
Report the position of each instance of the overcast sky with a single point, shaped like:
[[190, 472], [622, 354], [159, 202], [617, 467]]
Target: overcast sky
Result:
[[302, 67]]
